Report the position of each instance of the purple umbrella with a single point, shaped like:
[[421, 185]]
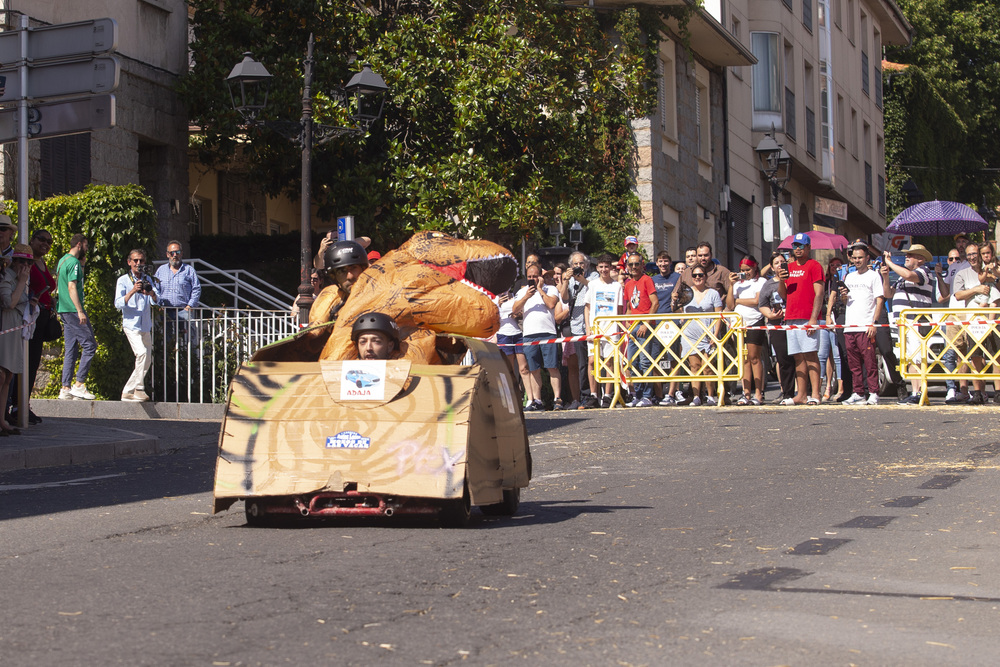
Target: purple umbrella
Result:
[[937, 218]]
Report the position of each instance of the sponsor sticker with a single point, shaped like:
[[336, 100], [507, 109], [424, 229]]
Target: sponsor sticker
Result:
[[348, 440], [362, 380]]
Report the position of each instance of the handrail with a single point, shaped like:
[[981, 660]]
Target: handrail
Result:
[[236, 281]]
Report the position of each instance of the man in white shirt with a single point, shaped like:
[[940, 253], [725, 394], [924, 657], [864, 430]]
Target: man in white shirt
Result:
[[604, 297], [864, 295], [536, 302], [954, 333]]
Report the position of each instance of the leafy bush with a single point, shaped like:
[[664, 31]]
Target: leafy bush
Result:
[[115, 219]]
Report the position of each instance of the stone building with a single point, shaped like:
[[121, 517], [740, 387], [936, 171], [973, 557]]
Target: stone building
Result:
[[148, 145]]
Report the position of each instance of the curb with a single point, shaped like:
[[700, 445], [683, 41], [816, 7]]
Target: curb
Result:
[[77, 409], [43, 455]]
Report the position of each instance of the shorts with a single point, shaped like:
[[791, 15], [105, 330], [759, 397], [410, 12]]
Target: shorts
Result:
[[956, 335], [756, 337], [799, 340], [503, 339], [913, 347], [568, 350], [541, 356]]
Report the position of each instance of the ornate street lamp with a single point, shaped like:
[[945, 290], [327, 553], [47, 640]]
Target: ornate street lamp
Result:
[[776, 164], [575, 236], [249, 84]]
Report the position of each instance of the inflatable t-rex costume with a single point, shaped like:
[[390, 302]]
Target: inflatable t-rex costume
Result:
[[433, 283]]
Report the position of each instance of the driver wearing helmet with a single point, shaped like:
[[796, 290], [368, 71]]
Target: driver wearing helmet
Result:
[[376, 336], [345, 261]]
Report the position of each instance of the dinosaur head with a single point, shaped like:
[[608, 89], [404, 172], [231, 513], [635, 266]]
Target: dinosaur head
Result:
[[482, 265]]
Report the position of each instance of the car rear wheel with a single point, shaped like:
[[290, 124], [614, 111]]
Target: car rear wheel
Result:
[[256, 514], [506, 507]]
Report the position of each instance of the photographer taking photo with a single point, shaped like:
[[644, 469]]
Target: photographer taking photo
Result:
[[135, 293]]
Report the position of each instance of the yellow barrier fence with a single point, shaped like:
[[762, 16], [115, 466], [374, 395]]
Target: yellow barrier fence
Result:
[[665, 353], [970, 333]]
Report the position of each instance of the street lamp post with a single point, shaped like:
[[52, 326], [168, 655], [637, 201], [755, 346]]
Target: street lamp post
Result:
[[249, 84], [576, 236], [776, 164]]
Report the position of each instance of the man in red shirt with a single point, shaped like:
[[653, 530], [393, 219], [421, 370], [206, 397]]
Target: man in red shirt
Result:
[[804, 301], [640, 299]]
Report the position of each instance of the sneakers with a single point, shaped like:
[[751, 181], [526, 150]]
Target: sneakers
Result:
[[679, 396], [590, 402], [66, 395], [140, 395], [129, 397], [668, 400], [912, 399], [575, 405], [950, 397], [901, 391], [643, 403], [632, 403], [996, 398], [535, 406], [695, 401], [557, 404], [606, 401], [976, 398], [872, 400], [80, 391], [855, 399], [710, 400]]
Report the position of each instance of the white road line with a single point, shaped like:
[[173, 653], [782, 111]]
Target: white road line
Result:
[[48, 485]]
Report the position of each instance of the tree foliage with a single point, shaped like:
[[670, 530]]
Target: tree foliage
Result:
[[956, 43], [501, 113], [115, 219]]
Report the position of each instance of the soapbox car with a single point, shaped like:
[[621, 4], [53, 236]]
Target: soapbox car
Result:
[[302, 439]]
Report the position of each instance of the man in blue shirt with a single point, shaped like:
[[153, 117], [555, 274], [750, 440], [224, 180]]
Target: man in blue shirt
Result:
[[135, 293], [180, 290], [664, 281]]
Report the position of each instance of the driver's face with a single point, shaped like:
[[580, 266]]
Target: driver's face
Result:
[[374, 345], [346, 276]]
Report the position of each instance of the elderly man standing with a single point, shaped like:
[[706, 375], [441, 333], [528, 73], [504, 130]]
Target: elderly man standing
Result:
[[574, 292], [135, 294], [973, 293], [805, 301], [180, 290], [914, 289]]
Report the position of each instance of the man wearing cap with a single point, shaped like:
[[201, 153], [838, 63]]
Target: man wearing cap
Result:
[[913, 289], [805, 289]]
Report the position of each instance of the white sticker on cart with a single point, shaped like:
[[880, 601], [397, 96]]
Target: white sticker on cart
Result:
[[362, 380], [348, 440]]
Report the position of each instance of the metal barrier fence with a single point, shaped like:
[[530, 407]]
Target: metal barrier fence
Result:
[[197, 352], [667, 350], [931, 339]]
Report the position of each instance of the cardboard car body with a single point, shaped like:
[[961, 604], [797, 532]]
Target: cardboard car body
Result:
[[297, 437]]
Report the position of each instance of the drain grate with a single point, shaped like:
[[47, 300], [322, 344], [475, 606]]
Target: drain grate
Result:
[[866, 522], [906, 501], [941, 481], [817, 546]]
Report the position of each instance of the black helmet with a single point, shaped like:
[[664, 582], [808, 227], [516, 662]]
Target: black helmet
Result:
[[344, 253], [375, 322]]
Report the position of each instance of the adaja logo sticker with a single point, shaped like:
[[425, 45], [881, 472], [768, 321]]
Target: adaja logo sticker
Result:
[[348, 440]]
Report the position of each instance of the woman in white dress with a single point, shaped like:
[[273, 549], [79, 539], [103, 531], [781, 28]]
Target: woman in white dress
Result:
[[13, 300], [700, 334]]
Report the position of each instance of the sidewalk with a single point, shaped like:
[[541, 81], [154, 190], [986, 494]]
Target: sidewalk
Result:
[[76, 431]]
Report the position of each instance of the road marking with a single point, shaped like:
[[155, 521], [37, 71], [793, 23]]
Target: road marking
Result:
[[49, 485]]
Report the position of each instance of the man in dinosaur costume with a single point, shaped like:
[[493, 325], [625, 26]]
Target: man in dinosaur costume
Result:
[[433, 283]]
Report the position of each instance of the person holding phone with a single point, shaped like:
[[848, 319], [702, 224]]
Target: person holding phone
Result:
[[536, 302]]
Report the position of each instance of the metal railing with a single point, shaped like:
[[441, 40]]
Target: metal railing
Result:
[[244, 288], [969, 338], [197, 352], [675, 339]]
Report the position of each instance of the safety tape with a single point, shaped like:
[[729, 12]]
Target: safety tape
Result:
[[769, 327]]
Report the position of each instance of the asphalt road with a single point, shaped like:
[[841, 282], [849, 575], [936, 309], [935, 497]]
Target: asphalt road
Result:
[[687, 536]]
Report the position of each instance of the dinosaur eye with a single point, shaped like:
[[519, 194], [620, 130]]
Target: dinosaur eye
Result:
[[437, 235]]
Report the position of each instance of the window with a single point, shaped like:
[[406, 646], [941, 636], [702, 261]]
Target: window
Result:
[[854, 132], [837, 12], [840, 129], [65, 164], [824, 106], [867, 148], [789, 114], [668, 90], [737, 32], [865, 76], [850, 20], [807, 14], [766, 80], [810, 132]]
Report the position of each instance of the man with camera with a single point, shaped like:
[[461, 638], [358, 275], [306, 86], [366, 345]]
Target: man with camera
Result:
[[536, 303], [135, 293], [573, 290]]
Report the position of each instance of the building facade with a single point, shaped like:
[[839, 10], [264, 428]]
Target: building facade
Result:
[[148, 145]]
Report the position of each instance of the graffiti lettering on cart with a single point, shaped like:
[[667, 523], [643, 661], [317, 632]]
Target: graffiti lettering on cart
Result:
[[412, 455]]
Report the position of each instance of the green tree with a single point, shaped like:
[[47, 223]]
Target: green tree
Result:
[[956, 43], [501, 113]]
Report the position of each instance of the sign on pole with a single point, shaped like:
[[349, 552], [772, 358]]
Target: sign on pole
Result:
[[94, 75], [56, 119], [345, 228], [66, 40]]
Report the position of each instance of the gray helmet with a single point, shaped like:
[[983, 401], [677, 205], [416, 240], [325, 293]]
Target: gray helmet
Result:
[[375, 322], [344, 253]]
